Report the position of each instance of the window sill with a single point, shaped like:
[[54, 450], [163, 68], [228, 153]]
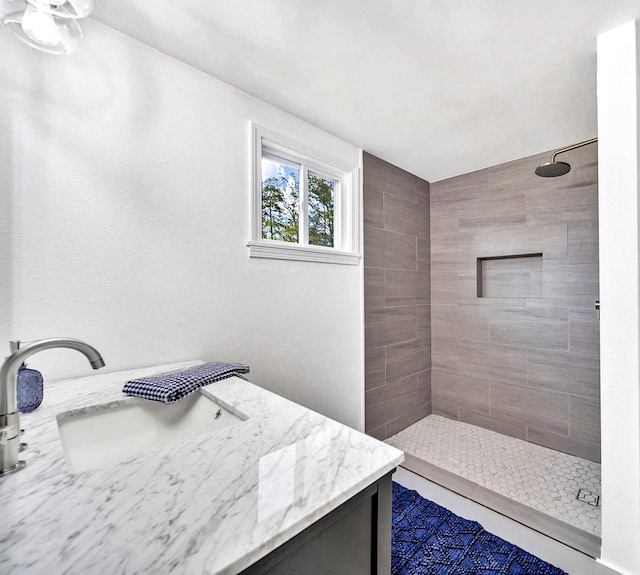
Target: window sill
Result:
[[279, 251]]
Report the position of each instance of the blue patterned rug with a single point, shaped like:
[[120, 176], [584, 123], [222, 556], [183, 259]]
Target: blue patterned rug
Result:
[[429, 539]]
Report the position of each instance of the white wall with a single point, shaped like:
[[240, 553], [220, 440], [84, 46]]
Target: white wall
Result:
[[125, 215], [619, 163]]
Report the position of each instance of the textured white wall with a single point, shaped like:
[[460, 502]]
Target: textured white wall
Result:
[[125, 214], [619, 184]]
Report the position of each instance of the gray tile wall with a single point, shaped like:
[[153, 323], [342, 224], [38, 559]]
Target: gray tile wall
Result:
[[397, 292], [526, 361]]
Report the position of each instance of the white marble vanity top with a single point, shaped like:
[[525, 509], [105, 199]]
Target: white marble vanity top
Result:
[[213, 504]]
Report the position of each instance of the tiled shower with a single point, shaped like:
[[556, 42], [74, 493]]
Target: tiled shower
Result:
[[397, 297], [504, 309]]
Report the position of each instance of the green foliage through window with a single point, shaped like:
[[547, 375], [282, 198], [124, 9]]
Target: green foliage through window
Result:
[[280, 206], [281, 195], [321, 210]]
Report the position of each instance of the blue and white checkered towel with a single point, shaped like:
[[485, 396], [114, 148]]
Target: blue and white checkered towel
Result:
[[171, 387]]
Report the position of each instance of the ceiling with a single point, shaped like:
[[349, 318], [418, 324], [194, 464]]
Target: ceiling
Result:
[[437, 87]]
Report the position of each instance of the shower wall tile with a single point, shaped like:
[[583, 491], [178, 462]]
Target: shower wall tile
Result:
[[374, 288], [584, 335], [585, 449], [444, 216], [389, 401], [466, 392], [374, 367], [389, 250], [397, 296], [381, 176], [467, 287], [577, 301], [406, 288], [548, 196], [423, 255], [544, 373], [423, 317], [450, 253], [465, 188], [542, 409], [503, 363], [570, 214], [445, 355], [524, 361], [506, 428], [585, 418], [531, 327], [583, 242], [550, 240], [374, 209], [406, 419], [378, 432], [442, 405], [462, 323], [422, 192], [444, 287], [505, 209], [405, 217], [424, 386], [571, 286], [390, 325], [393, 391], [403, 359]]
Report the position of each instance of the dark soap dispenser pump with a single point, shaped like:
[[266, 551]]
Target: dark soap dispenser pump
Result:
[[29, 385]]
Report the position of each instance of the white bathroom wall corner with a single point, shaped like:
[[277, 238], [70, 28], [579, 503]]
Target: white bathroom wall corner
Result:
[[127, 193], [619, 184]]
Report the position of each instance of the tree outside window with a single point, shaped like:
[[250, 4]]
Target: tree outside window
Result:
[[305, 202], [321, 210], [283, 205]]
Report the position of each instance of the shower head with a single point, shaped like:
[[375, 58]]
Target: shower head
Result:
[[553, 169]]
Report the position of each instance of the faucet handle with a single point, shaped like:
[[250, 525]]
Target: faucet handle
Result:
[[6, 433]]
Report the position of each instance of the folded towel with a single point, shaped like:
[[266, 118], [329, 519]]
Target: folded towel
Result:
[[171, 387]]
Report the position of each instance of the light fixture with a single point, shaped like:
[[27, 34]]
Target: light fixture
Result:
[[65, 8], [48, 25]]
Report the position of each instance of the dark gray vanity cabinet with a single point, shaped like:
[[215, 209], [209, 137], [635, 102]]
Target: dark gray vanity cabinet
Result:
[[354, 539]]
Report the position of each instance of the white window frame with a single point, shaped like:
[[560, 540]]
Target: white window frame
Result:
[[346, 202]]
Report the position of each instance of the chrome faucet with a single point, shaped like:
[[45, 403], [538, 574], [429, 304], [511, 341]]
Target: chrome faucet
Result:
[[9, 415]]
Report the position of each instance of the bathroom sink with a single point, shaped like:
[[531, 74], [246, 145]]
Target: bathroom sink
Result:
[[104, 435]]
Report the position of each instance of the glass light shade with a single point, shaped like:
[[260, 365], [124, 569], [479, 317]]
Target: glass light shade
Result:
[[64, 8], [44, 31], [39, 26]]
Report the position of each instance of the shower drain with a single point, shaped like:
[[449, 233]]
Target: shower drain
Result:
[[588, 497]]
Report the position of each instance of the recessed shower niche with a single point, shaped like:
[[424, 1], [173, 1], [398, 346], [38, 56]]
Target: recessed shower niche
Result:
[[510, 276]]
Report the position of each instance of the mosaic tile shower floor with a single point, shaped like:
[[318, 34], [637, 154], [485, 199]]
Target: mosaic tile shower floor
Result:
[[542, 478]]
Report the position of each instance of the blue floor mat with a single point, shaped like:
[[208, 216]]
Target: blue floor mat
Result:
[[431, 540]]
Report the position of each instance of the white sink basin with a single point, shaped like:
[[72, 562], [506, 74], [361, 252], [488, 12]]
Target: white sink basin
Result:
[[105, 435]]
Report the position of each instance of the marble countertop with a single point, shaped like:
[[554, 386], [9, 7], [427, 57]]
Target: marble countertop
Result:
[[215, 503]]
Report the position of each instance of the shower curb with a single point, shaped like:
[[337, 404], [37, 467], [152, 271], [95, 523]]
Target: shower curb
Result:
[[565, 533]]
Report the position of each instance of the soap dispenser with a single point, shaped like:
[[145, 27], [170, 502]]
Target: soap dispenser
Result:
[[29, 385]]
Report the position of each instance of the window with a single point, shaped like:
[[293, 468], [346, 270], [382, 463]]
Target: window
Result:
[[305, 203]]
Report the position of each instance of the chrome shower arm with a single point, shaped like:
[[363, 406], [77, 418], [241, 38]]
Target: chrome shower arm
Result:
[[569, 148]]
